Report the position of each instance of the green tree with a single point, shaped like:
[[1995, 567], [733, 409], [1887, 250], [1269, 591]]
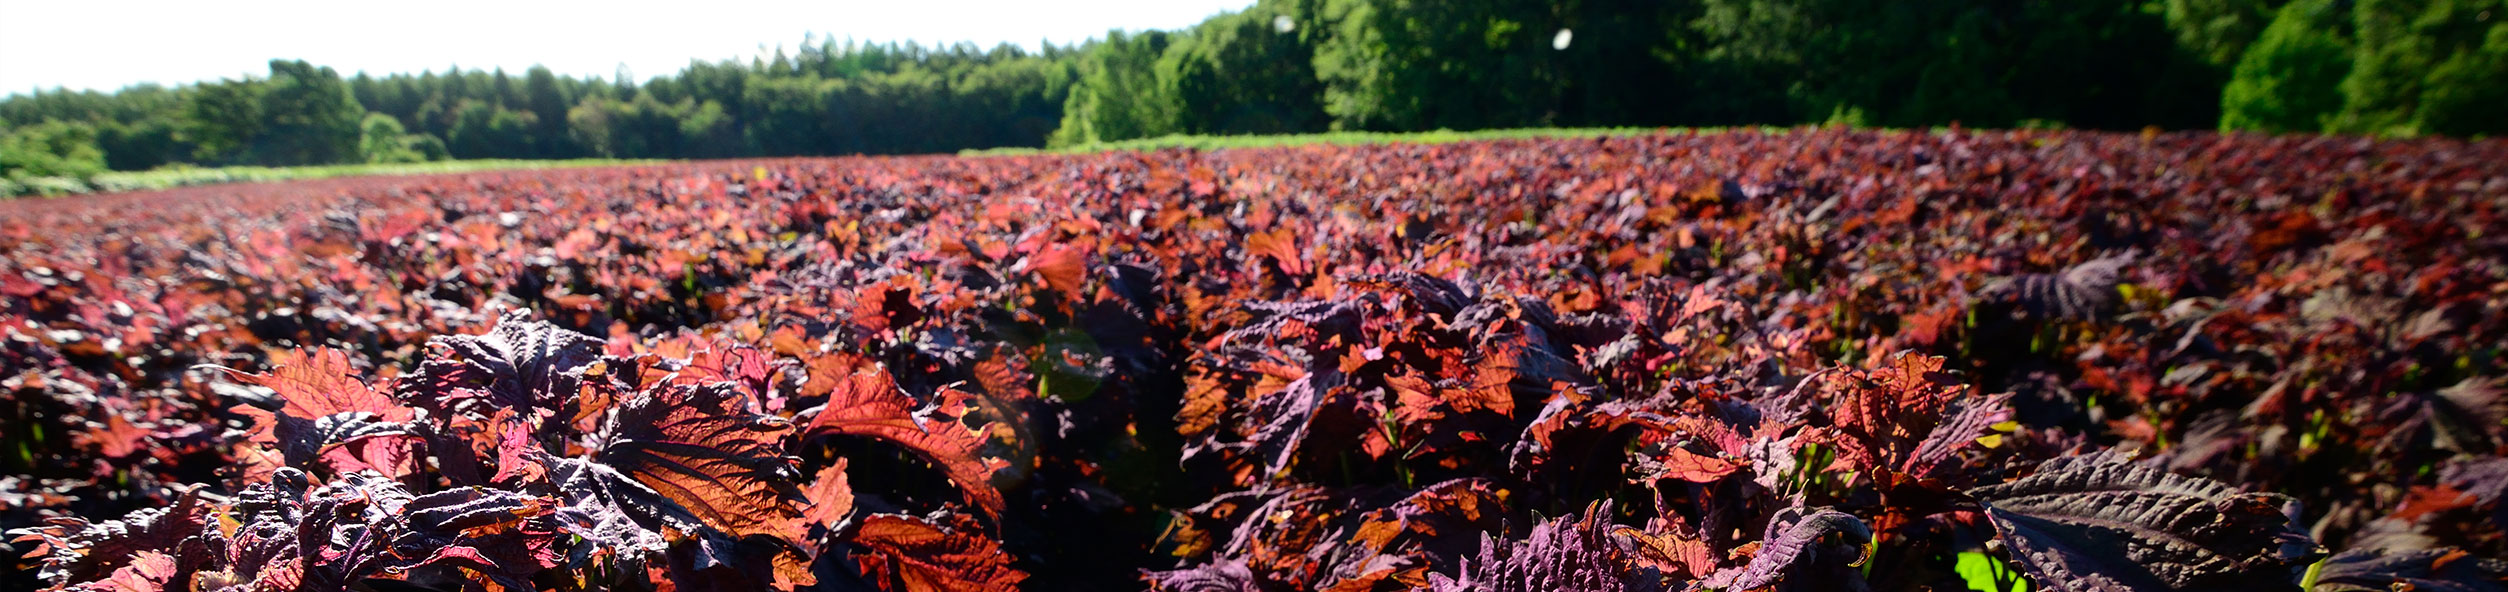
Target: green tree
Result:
[[639, 128], [1635, 62], [427, 146], [1247, 73], [501, 91], [1022, 98], [144, 144], [2219, 31], [470, 137], [2090, 63], [588, 125], [707, 131], [384, 141], [2428, 66], [51, 149], [484, 130], [2290, 79], [1414, 64], [548, 103], [785, 114], [1119, 96], [308, 117], [2417, 66], [222, 120], [2467, 94]]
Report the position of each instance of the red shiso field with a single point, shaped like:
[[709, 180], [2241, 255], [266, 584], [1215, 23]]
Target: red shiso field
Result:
[[1814, 360]]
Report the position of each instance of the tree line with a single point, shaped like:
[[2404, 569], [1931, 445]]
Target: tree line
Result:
[[2386, 67]]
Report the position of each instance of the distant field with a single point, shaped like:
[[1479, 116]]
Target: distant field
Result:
[[1335, 138], [167, 178], [1817, 359]]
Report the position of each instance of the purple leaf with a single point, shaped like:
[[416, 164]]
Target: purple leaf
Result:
[[1224, 576], [1804, 549], [75, 550], [2420, 570], [2084, 291], [1572, 554], [1972, 419], [2099, 523], [521, 364]]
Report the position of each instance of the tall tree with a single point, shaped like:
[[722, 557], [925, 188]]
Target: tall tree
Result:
[[50, 149], [1119, 96], [1247, 73], [384, 141], [309, 116], [548, 102], [2219, 31], [1414, 64], [222, 120], [2097, 63], [2428, 66], [2290, 79]]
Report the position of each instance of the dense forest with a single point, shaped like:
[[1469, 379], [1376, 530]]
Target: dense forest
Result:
[[2385, 67]]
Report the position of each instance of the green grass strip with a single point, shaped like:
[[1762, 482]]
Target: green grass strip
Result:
[[186, 175], [1199, 142]]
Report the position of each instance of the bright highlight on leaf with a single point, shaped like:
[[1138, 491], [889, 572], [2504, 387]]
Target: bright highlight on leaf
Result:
[[1987, 573]]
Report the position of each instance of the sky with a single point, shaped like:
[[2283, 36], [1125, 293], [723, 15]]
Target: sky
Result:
[[109, 44]]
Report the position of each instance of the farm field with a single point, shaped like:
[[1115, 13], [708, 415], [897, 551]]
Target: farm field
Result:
[[186, 176], [1745, 360]]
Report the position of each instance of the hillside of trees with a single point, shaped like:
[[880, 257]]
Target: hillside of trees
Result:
[[2384, 67]]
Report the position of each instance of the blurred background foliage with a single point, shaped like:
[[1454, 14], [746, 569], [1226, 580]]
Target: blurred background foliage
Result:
[[2380, 67]]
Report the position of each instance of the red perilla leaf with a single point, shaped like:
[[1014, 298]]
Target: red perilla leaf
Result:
[[868, 404], [700, 448], [910, 554], [1749, 360]]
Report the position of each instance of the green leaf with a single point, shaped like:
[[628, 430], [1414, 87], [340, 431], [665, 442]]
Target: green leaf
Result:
[[1988, 573]]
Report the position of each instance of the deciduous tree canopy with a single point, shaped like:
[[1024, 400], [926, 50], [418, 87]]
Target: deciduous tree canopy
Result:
[[1282, 66]]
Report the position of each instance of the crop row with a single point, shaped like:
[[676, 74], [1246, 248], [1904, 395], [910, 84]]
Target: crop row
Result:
[[1812, 360]]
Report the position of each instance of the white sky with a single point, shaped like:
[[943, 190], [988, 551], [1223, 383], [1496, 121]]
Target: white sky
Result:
[[108, 44]]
